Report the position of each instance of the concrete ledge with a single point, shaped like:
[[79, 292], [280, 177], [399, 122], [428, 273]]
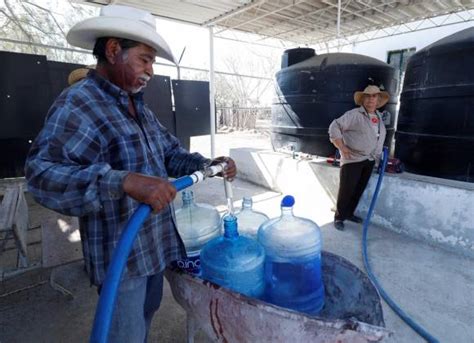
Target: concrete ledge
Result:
[[440, 213], [435, 210]]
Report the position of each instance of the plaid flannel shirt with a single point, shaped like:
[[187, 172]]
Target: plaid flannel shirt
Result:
[[77, 164]]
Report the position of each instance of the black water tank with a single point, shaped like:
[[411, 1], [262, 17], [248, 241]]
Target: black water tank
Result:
[[435, 131], [312, 93]]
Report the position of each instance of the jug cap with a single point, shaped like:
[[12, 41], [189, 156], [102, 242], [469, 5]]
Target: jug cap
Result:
[[288, 201]]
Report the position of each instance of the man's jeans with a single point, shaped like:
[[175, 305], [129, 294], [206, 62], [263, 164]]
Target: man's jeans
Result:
[[137, 301]]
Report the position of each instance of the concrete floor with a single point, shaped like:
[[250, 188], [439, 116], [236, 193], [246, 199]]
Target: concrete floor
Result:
[[434, 286]]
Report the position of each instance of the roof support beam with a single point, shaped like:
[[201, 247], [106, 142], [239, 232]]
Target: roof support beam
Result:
[[295, 3], [234, 12], [300, 17], [338, 29]]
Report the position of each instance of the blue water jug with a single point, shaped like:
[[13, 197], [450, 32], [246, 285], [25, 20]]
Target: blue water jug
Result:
[[293, 261], [249, 220], [233, 261], [197, 224]]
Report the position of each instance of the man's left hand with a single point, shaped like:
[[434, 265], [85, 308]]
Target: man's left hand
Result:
[[230, 169]]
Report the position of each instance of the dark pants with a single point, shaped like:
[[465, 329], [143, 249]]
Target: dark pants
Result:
[[353, 179]]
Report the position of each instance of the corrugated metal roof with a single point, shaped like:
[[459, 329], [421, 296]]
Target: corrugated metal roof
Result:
[[299, 21]]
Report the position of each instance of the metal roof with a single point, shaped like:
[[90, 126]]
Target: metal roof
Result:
[[298, 21]]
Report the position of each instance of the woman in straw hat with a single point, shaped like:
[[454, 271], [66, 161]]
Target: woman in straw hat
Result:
[[359, 135], [102, 151]]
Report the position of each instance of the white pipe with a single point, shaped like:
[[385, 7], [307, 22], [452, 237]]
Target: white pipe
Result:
[[212, 92]]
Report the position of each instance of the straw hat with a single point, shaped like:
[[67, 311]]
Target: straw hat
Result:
[[79, 74], [383, 96], [120, 22]]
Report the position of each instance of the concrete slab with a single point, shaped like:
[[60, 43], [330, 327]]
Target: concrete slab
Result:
[[435, 286], [61, 239], [435, 210]]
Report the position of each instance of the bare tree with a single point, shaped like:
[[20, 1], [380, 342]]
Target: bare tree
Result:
[[40, 26], [37, 27], [238, 98]]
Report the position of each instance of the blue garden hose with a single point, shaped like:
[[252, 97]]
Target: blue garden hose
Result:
[[418, 329], [108, 294]]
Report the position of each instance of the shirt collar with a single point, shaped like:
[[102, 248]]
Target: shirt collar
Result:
[[113, 89], [364, 112]]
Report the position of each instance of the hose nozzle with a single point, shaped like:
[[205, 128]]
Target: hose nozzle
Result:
[[214, 170]]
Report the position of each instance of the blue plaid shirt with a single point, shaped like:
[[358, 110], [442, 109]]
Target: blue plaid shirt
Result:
[[78, 162]]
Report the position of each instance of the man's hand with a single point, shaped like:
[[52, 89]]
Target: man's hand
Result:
[[151, 190], [230, 170]]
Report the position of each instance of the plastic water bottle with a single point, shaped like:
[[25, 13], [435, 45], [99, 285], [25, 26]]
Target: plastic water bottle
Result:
[[233, 261], [293, 261], [249, 220], [197, 224]]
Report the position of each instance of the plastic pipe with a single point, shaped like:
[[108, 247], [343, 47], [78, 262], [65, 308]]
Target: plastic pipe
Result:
[[408, 320], [108, 294], [229, 196]]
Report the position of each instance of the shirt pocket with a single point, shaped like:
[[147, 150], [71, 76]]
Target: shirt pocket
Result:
[[128, 152], [157, 140]]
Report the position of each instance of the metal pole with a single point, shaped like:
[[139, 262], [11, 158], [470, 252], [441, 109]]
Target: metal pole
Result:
[[338, 23], [338, 18], [212, 91]]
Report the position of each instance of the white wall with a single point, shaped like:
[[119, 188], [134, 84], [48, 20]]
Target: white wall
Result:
[[379, 48]]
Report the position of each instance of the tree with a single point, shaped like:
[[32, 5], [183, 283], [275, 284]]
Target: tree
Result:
[[34, 27], [239, 99]]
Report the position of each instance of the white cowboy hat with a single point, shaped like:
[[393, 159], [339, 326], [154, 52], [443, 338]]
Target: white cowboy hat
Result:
[[383, 96], [120, 22]]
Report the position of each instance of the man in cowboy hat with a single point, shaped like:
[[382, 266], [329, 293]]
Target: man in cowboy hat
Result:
[[102, 151], [359, 135]]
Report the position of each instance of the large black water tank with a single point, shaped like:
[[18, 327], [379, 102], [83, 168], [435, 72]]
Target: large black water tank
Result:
[[313, 92], [435, 131]]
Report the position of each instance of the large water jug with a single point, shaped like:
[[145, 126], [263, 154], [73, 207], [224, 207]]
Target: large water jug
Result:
[[197, 224], [249, 220], [293, 261], [233, 261]]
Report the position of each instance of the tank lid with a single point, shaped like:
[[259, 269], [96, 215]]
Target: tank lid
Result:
[[296, 55], [337, 59], [309, 50], [288, 201]]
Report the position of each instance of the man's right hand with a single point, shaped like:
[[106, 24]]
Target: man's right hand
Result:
[[154, 191]]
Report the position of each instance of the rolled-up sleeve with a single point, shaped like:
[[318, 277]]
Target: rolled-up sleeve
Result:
[[334, 131], [62, 167], [338, 126]]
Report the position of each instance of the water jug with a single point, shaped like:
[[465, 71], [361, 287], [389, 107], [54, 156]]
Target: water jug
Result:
[[293, 261], [233, 261], [197, 224], [249, 220]]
